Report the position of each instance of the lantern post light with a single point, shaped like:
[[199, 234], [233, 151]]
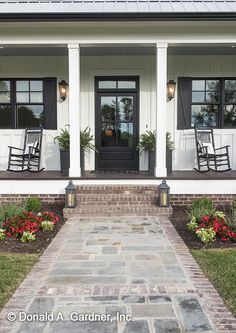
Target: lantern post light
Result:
[[171, 89], [63, 89], [164, 194], [70, 197]]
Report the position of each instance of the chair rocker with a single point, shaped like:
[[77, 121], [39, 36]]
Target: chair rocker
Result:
[[209, 157], [27, 158]]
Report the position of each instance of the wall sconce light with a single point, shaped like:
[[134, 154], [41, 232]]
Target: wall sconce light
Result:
[[171, 89], [70, 197], [63, 89], [164, 194]]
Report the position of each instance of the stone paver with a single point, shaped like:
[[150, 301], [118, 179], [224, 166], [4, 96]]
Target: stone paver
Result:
[[111, 274]]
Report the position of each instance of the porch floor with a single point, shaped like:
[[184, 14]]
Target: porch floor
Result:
[[176, 175]]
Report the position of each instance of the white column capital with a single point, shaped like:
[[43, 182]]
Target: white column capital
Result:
[[161, 45], [73, 46]]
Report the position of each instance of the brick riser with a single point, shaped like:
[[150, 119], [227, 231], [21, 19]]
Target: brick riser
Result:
[[117, 199]]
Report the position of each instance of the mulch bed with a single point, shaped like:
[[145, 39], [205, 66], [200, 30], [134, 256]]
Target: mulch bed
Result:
[[179, 220], [43, 239]]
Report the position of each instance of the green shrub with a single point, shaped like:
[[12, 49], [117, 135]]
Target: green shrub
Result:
[[234, 212], [11, 210], [27, 237], [206, 235], [33, 204], [201, 207], [47, 225]]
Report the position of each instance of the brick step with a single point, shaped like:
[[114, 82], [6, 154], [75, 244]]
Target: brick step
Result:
[[117, 189], [116, 203], [118, 209], [88, 198]]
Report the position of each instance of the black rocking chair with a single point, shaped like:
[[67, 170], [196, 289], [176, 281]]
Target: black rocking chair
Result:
[[209, 157], [27, 158]]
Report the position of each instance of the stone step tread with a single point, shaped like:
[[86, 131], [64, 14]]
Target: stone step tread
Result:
[[117, 189], [117, 208]]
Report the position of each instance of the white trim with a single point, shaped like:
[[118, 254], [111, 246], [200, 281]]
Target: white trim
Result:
[[176, 186], [74, 109]]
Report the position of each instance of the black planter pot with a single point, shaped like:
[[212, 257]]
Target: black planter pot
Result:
[[82, 161], [65, 161], [151, 161], [169, 161]]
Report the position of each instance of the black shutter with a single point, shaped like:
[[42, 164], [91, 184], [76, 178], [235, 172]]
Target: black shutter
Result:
[[184, 103], [50, 102]]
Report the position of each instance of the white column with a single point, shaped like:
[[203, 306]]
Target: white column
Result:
[[161, 81], [74, 109]]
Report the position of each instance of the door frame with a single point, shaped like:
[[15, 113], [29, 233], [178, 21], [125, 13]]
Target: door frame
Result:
[[97, 117]]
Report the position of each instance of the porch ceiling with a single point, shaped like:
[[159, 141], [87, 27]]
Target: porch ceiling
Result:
[[61, 50]]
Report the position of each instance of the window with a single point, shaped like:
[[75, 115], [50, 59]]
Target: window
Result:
[[206, 102], [28, 103]]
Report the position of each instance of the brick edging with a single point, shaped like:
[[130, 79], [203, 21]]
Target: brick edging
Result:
[[223, 319]]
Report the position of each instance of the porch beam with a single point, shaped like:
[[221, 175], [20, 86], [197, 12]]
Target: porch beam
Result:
[[74, 109], [161, 80]]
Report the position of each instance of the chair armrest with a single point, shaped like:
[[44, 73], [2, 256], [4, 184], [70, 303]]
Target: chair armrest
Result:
[[11, 147], [224, 147]]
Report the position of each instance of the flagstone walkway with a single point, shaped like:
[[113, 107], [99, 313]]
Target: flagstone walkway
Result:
[[131, 274]]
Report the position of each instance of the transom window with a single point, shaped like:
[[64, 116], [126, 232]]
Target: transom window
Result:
[[213, 102], [28, 103]]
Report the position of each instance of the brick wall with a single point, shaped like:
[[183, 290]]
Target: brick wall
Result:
[[186, 199], [49, 198]]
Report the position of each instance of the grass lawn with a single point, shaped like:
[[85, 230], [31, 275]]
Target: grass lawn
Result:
[[220, 267], [13, 269]]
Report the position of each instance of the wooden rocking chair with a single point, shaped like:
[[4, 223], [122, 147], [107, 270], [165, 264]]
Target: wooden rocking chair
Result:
[[27, 158], [209, 157]]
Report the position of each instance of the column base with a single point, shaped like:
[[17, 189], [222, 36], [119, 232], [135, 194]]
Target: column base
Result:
[[75, 172], [160, 172]]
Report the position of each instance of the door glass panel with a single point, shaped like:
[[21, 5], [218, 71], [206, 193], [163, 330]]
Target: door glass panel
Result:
[[36, 97], [125, 108], [36, 85], [107, 84], [108, 134], [5, 97], [126, 84], [5, 86], [108, 108], [125, 134]]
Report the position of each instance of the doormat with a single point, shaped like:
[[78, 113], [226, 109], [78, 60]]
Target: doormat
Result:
[[113, 171]]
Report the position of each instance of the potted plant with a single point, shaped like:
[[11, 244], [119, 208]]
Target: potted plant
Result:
[[63, 139], [147, 142], [86, 143]]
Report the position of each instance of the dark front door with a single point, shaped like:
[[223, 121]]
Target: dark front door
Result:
[[116, 123]]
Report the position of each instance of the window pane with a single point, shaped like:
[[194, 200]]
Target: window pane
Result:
[[230, 97], [30, 115], [5, 97], [212, 85], [36, 97], [107, 84], [125, 108], [198, 97], [36, 85], [108, 108], [22, 85], [5, 116], [5, 86], [198, 85], [126, 84], [212, 96], [230, 84], [108, 135], [125, 134], [22, 97], [230, 115], [204, 115]]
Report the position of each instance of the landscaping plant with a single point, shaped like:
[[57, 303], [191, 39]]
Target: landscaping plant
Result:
[[10, 210], [47, 225], [209, 224], [33, 204], [27, 237]]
